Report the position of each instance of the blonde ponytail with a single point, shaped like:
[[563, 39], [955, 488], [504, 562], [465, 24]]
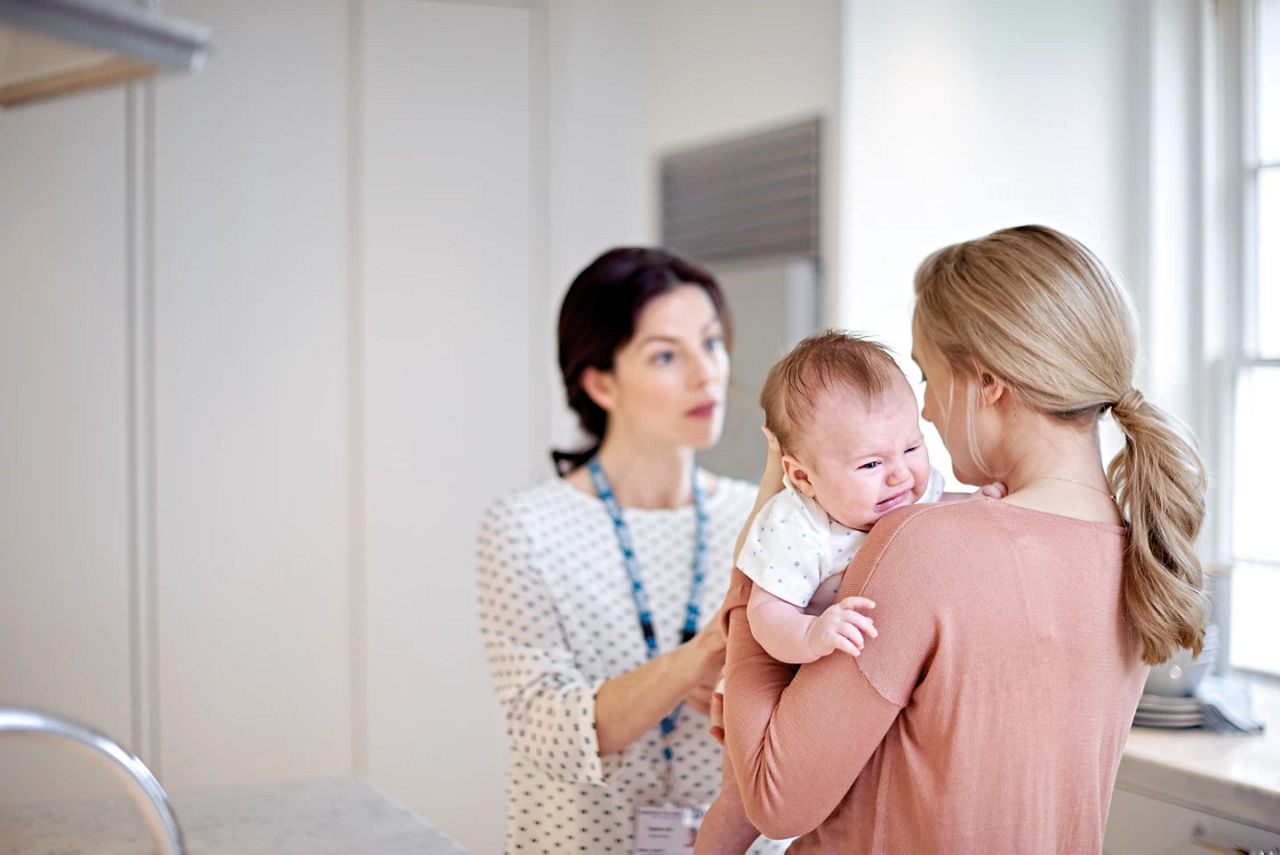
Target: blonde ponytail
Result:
[[1040, 310], [1159, 483]]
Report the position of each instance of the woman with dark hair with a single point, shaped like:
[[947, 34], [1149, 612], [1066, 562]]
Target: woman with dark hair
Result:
[[598, 590]]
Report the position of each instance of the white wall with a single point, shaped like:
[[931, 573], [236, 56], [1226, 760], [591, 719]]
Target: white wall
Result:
[[971, 115], [965, 116], [723, 68], [445, 188], [273, 337], [631, 80]]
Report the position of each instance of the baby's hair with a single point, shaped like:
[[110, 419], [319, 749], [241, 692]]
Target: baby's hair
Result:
[[834, 359]]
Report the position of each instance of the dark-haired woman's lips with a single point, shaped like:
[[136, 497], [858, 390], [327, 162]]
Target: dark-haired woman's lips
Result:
[[894, 501], [703, 411]]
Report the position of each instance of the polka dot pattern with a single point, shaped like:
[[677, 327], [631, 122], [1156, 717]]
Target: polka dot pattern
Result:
[[558, 619], [796, 552]]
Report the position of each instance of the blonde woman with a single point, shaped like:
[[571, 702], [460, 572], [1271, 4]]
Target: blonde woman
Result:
[[1014, 635]]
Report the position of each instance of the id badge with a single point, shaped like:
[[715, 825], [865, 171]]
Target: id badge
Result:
[[667, 830]]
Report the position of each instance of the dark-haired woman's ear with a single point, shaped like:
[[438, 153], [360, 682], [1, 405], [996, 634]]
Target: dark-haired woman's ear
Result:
[[600, 387]]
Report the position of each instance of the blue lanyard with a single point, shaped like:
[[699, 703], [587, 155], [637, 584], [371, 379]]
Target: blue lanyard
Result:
[[632, 565]]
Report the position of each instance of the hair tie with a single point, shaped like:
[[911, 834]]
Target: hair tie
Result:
[[1128, 403]]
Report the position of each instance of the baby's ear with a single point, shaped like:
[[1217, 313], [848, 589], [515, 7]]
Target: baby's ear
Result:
[[798, 474]]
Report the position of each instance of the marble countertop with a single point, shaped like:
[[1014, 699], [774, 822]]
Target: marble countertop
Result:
[[1234, 775], [338, 817]]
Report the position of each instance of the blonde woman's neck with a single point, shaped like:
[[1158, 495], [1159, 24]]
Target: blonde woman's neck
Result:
[[1050, 465]]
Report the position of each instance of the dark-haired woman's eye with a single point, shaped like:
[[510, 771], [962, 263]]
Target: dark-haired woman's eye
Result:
[[664, 357], [714, 342]]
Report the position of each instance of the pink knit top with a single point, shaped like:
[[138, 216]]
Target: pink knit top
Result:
[[989, 715]]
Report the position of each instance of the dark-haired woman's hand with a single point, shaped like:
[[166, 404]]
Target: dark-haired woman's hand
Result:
[[707, 652], [699, 697]]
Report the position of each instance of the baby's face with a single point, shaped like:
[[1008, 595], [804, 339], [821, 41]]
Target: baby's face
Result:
[[864, 457]]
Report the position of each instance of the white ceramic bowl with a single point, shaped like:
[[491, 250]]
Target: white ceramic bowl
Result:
[[1180, 675]]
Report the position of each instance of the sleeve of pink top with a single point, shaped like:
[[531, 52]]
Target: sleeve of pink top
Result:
[[797, 744]]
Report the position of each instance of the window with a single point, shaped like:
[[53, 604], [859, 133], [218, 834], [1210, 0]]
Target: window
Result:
[[1249, 459]]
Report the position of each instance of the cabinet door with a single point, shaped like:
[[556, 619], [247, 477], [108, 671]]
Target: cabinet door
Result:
[[65, 562], [1141, 825], [251, 408]]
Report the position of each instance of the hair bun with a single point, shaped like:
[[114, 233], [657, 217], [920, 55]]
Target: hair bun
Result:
[[1128, 404]]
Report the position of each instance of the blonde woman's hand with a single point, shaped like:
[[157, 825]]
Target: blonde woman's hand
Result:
[[775, 449], [717, 717], [770, 484], [995, 490]]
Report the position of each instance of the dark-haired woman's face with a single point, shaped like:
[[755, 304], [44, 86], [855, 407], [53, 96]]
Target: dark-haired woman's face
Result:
[[668, 383]]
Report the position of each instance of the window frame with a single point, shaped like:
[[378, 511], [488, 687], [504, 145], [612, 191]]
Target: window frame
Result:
[[1231, 80]]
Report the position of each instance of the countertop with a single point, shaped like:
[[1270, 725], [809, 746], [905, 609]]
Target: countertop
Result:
[[338, 817], [1233, 775]]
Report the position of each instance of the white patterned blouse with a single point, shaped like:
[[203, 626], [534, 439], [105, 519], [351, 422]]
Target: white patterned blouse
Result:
[[558, 619]]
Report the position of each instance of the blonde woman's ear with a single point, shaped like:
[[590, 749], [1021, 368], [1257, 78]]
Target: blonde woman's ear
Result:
[[992, 387]]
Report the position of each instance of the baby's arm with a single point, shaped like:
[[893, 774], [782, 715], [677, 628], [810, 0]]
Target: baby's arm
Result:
[[789, 635]]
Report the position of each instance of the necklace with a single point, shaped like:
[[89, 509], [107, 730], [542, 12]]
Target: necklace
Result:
[[1109, 495]]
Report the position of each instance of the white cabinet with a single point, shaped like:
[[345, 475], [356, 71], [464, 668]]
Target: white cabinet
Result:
[[252, 412], [313, 263], [1144, 825], [1177, 787], [65, 554]]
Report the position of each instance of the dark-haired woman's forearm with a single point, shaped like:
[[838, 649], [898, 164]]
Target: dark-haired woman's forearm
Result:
[[629, 705]]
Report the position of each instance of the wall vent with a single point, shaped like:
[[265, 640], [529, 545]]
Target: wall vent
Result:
[[752, 197]]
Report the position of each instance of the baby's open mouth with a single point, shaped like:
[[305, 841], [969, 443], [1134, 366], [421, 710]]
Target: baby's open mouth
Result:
[[894, 501]]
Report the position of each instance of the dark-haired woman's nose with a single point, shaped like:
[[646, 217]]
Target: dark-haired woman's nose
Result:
[[705, 370]]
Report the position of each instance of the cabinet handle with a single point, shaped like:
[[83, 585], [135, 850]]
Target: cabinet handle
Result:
[[1198, 839]]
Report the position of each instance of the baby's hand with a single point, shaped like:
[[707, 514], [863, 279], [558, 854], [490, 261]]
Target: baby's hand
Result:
[[995, 490], [841, 627]]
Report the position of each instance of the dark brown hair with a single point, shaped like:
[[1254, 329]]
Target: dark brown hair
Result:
[[598, 317], [823, 361]]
